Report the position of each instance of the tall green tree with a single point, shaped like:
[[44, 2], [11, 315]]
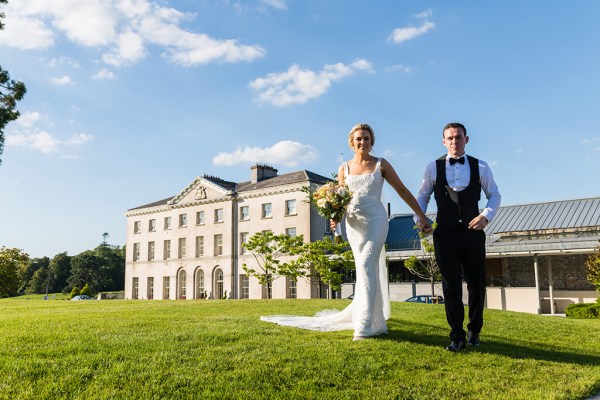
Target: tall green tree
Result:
[[12, 262], [327, 260], [102, 269], [59, 270], [425, 267], [35, 278], [269, 251], [11, 92]]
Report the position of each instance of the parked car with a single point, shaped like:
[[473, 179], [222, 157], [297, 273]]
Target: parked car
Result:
[[426, 299], [82, 297]]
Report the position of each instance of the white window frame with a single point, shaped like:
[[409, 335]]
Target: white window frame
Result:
[[267, 210]]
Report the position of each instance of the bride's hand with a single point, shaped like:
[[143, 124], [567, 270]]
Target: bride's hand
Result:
[[424, 226]]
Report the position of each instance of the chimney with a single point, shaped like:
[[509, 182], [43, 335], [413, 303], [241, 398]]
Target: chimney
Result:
[[260, 172]]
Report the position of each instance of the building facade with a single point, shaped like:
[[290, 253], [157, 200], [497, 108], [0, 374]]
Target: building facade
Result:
[[190, 246]]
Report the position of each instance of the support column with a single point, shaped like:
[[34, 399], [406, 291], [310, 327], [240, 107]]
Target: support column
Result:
[[550, 286], [537, 283]]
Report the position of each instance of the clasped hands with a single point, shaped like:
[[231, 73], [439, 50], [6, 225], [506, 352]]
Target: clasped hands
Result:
[[477, 223]]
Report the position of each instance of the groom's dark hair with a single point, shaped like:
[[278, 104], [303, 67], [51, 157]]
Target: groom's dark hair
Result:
[[455, 125]]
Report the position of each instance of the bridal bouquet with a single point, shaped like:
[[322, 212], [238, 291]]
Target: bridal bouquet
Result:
[[330, 201]]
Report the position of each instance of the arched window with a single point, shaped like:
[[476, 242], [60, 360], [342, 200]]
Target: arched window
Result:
[[219, 283], [199, 284], [181, 284]]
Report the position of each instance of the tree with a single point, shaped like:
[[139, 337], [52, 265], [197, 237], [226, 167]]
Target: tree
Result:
[[12, 262], [102, 269], [327, 260], [268, 249], [593, 266], [59, 271], [34, 277], [425, 267], [10, 93]]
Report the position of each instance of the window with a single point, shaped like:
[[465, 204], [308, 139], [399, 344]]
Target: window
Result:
[[218, 215], [166, 287], [245, 287], [181, 278], [219, 292], [150, 288], [167, 250], [290, 207], [136, 226], [291, 232], [244, 213], [150, 251], [182, 220], [218, 245], [200, 218], [266, 210], [243, 241], [152, 225], [199, 246], [136, 251], [181, 248], [167, 223], [135, 288], [200, 284], [292, 289]]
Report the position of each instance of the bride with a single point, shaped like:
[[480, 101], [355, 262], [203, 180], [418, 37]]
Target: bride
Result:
[[366, 228]]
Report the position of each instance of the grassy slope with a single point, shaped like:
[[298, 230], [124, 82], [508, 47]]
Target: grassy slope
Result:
[[220, 349]]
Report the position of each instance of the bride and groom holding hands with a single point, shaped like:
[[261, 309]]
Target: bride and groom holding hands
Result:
[[456, 181]]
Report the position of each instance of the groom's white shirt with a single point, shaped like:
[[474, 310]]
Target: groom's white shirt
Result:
[[458, 176]]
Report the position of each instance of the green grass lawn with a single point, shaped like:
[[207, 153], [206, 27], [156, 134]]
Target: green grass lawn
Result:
[[218, 349]]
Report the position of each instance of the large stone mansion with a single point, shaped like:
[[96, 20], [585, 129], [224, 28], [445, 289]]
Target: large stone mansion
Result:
[[190, 246]]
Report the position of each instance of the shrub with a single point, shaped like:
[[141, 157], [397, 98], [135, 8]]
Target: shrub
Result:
[[86, 290], [588, 310], [75, 292]]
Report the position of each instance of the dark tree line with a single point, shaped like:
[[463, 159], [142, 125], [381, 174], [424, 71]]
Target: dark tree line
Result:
[[102, 269]]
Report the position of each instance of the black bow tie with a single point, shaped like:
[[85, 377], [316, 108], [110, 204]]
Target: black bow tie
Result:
[[456, 160]]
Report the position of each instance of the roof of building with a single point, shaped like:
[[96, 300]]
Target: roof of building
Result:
[[563, 214], [581, 216], [278, 180]]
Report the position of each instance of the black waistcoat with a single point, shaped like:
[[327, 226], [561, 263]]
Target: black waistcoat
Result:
[[452, 206]]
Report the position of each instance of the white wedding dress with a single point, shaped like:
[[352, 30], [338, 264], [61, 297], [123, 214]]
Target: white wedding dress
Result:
[[366, 229]]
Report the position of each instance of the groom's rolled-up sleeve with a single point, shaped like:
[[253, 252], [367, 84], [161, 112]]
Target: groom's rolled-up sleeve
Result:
[[424, 194]]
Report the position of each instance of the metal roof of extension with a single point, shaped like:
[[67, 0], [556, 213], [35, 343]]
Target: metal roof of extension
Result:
[[566, 214], [579, 216]]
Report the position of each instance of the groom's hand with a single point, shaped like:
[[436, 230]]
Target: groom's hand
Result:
[[424, 226], [478, 223]]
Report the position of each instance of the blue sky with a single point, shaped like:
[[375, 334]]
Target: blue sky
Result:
[[129, 100]]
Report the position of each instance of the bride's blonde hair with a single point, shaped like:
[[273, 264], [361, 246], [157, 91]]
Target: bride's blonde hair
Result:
[[361, 127]]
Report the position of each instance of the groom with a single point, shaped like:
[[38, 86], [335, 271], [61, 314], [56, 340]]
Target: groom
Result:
[[456, 180]]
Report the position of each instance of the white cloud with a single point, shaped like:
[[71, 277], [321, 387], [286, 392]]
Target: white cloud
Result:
[[278, 4], [63, 80], [398, 67], [425, 14], [121, 29], [103, 74], [400, 35], [60, 61], [297, 86], [40, 140], [286, 152], [27, 133]]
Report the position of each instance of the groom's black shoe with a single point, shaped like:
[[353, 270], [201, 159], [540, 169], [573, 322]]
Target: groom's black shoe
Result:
[[456, 346], [473, 339]]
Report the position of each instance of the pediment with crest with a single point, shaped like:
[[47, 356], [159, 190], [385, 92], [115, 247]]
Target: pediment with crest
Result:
[[201, 190]]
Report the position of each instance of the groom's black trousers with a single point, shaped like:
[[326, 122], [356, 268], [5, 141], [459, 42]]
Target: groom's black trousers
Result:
[[460, 252]]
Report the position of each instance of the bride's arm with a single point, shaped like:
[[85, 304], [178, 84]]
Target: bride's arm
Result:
[[390, 175]]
